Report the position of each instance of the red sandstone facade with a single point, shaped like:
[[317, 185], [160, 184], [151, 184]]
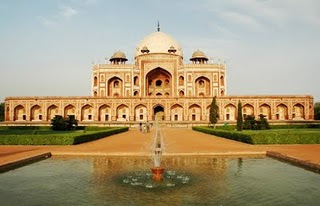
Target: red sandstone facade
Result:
[[158, 84]]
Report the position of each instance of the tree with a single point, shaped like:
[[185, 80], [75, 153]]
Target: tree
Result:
[[317, 111], [71, 122], [249, 122], [60, 124], [263, 122], [239, 119], [2, 112], [214, 112]]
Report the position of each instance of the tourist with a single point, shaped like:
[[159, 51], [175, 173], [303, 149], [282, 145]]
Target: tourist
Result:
[[140, 127]]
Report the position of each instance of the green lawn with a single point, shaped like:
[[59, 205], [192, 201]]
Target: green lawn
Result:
[[272, 136], [42, 136]]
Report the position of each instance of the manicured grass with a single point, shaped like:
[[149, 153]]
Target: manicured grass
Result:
[[273, 136], [48, 137]]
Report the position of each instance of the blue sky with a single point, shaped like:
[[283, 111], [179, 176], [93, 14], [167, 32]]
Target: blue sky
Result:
[[270, 46]]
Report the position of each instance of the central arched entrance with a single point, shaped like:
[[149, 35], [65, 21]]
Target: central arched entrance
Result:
[[158, 113], [158, 82]]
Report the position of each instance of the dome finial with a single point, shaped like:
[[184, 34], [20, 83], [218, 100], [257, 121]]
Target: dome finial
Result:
[[158, 29]]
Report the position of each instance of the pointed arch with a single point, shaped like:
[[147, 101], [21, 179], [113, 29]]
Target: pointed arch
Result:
[[230, 112], [19, 113], [140, 112], [69, 110], [95, 81], [158, 80], [181, 81], [136, 93], [222, 81], [194, 112], [104, 113], [123, 112], [298, 112], [181, 93], [281, 112], [247, 109], [176, 112], [265, 109], [36, 113], [115, 86], [158, 112], [52, 111], [87, 113], [202, 86], [136, 81]]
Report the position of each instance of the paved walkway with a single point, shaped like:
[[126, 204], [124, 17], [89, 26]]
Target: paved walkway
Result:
[[177, 141]]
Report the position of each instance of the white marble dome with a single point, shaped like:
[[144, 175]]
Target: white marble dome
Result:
[[158, 42]]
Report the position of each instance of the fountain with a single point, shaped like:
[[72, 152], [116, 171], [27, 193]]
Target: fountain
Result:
[[157, 149]]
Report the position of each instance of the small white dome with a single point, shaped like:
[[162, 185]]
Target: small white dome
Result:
[[158, 42]]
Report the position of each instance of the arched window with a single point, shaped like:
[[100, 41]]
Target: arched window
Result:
[[201, 94], [159, 94], [158, 83], [136, 80], [136, 93], [222, 80], [181, 93], [95, 93], [95, 81], [181, 80], [167, 94]]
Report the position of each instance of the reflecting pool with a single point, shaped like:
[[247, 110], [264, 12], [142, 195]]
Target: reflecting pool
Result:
[[187, 181]]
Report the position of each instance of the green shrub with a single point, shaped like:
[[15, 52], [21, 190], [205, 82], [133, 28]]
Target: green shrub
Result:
[[35, 137], [238, 136], [281, 136], [58, 123]]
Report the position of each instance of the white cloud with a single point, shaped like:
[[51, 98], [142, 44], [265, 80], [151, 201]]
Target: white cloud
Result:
[[241, 19], [67, 12]]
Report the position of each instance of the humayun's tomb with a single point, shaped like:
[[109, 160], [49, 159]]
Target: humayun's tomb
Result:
[[158, 84]]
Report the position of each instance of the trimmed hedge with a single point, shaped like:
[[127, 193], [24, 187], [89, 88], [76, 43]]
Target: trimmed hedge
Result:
[[280, 136], [237, 136], [57, 138]]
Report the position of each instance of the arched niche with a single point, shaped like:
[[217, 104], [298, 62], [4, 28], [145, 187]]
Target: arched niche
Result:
[[265, 110], [298, 112], [281, 112], [104, 113], [247, 109], [87, 113], [140, 113], [19, 113], [36, 113], [69, 110], [158, 81], [230, 112], [115, 87], [194, 112], [52, 111], [202, 86], [123, 113], [176, 112]]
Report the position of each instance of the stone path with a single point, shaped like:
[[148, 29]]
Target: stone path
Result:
[[177, 141]]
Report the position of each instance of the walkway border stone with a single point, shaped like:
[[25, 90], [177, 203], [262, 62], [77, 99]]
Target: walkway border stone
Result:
[[294, 160], [16, 163]]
